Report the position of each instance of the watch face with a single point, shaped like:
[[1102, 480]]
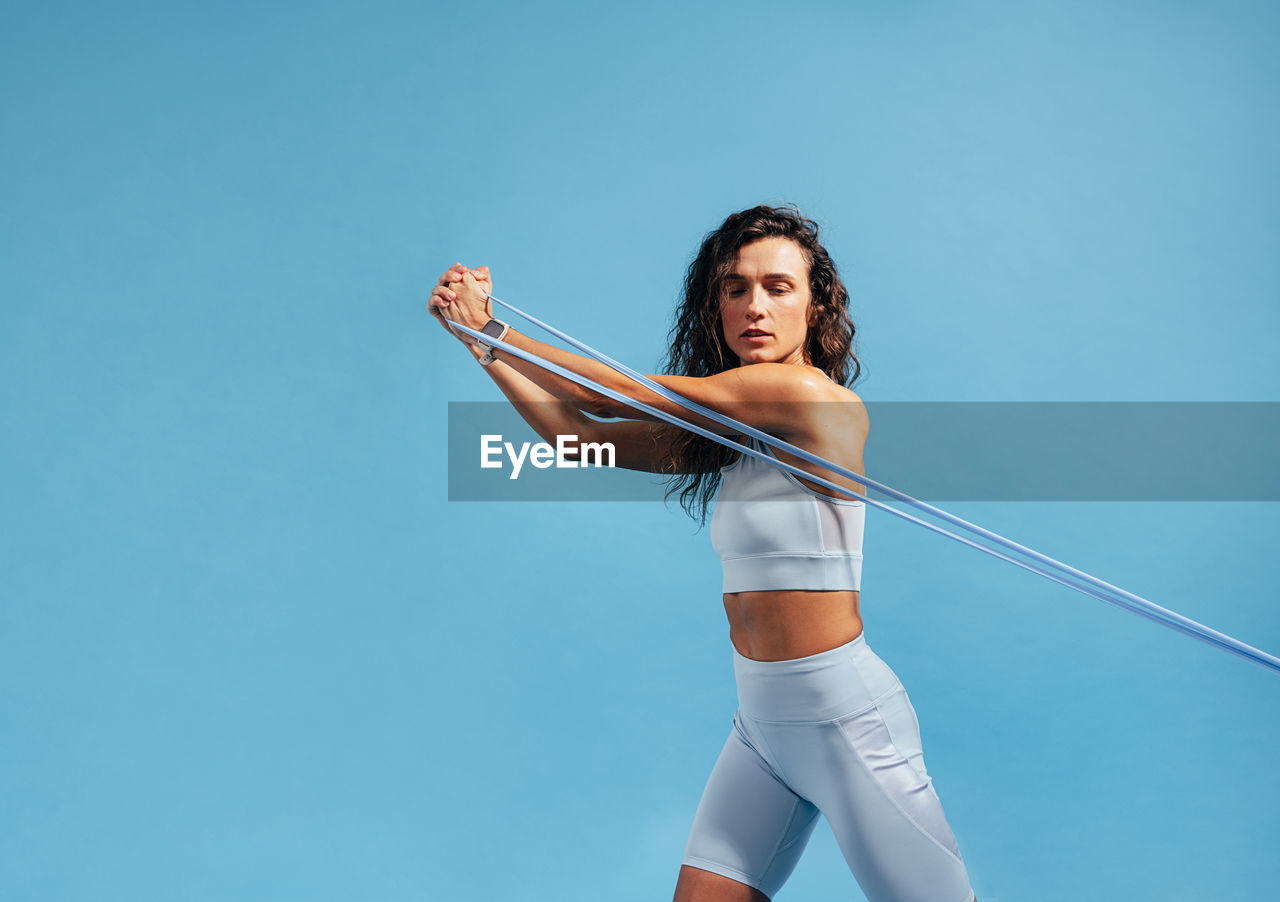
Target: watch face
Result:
[[492, 328]]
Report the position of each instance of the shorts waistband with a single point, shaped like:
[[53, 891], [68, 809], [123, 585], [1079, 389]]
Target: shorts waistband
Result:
[[830, 684]]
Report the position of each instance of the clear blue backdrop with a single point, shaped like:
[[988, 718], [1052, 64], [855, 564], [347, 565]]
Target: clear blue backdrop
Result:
[[249, 651]]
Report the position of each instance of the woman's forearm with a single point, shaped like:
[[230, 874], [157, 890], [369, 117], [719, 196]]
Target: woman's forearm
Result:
[[467, 303], [569, 391], [548, 415]]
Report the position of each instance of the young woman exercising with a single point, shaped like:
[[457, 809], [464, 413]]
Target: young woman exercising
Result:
[[823, 725]]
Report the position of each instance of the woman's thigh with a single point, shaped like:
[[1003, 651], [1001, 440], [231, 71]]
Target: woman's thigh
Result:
[[749, 826], [865, 772]]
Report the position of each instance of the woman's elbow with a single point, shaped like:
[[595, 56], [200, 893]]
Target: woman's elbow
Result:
[[599, 405]]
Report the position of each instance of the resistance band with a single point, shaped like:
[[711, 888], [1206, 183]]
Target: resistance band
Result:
[[1091, 586]]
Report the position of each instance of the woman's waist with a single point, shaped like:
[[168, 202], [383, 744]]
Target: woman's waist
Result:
[[783, 624], [841, 680]]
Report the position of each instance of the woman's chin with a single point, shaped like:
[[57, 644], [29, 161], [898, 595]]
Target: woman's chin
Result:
[[756, 355]]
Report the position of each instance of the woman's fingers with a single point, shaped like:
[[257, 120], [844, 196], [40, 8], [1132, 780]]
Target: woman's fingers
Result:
[[482, 276], [440, 312], [452, 274], [444, 293]]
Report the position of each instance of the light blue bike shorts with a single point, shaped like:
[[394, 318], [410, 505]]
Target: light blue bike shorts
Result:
[[832, 734]]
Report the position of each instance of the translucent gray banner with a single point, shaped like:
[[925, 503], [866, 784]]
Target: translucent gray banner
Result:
[[946, 451]]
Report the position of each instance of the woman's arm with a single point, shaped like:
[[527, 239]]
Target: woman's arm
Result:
[[637, 445], [771, 396]]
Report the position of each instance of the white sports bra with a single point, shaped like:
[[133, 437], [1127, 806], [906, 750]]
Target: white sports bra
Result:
[[773, 532]]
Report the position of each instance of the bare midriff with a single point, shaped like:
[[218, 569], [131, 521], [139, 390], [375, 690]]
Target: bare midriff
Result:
[[786, 624]]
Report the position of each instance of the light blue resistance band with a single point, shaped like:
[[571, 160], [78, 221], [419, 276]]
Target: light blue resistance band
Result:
[[1094, 587]]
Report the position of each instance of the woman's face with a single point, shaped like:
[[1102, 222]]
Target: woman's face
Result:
[[764, 310]]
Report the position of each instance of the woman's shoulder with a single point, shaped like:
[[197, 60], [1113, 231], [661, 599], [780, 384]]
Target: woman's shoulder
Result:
[[810, 377], [837, 390], [838, 393]]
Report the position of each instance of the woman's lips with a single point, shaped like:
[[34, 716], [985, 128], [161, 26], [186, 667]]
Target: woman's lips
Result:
[[757, 338]]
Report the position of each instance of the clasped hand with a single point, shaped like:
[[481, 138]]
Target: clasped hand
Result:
[[461, 295]]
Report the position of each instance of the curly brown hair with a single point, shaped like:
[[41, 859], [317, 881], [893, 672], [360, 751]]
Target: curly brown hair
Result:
[[698, 346]]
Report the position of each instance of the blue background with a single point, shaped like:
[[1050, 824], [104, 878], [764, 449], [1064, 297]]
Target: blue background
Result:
[[249, 651]]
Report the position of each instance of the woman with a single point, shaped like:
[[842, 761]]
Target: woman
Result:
[[823, 725]]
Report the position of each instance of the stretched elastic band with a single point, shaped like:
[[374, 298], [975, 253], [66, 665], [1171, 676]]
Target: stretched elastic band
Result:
[[1089, 585]]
